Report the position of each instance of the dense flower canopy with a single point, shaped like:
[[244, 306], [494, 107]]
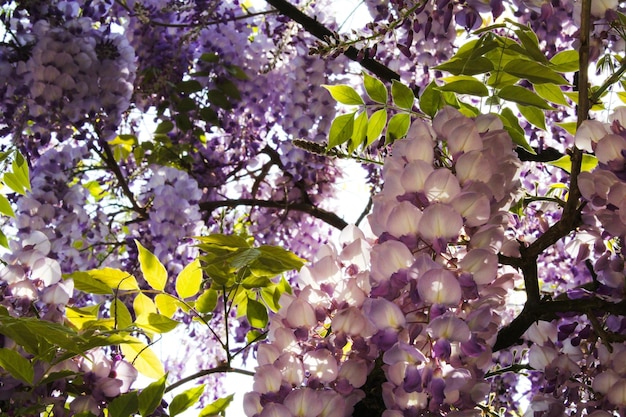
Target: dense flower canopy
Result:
[[169, 164]]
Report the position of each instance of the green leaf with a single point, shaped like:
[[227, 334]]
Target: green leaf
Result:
[[534, 72], [186, 399], [275, 260], [115, 279], [359, 132], [255, 336], [431, 100], [207, 301], [142, 304], [479, 65], [341, 129], [120, 313], [271, 295], [219, 99], [521, 95], [244, 257], [164, 127], [18, 180], [185, 105], [534, 115], [210, 57], [3, 240], [143, 358], [86, 283], [569, 127], [229, 88], [467, 86], [256, 314], [402, 95], [565, 61], [225, 241], [150, 397], [5, 207], [511, 124], [155, 322], [237, 72], [189, 280], [375, 89], [124, 406], [398, 127], [376, 125], [499, 79], [344, 94], [189, 86], [253, 281], [153, 270], [79, 317], [216, 407], [565, 163], [166, 304], [551, 93], [18, 366], [531, 45]]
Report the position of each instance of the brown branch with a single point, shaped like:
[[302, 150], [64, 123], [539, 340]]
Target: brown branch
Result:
[[321, 32], [549, 310], [326, 216], [106, 154]]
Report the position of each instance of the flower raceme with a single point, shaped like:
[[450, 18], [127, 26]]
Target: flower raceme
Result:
[[416, 298]]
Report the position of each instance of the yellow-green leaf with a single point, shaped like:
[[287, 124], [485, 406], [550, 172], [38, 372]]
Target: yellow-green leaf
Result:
[[157, 323], [565, 163], [5, 207], [143, 358], [398, 127], [78, 317], [186, 399], [216, 407], [166, 304], [402, 95], [151, 396], [120, 313], [569, 127], [534, 115], [207, 301], [256, 314], [344, 94], [143, 305], [116, 279], [189, 280], [466, 86], [376, 125], [340, 130], [359, 132], [551, 92], [534, 72], [375, 89], [153, 270], [565, 61], [523, 96]]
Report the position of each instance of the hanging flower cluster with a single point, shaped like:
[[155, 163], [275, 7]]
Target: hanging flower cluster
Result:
[[421, 304], [172, 196], [77, 72], [33, 286], [605, 187]]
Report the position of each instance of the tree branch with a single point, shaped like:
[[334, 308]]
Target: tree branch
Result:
[[549, 310], [106, 154], [218, 369], [321, 32], [326, 216]]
